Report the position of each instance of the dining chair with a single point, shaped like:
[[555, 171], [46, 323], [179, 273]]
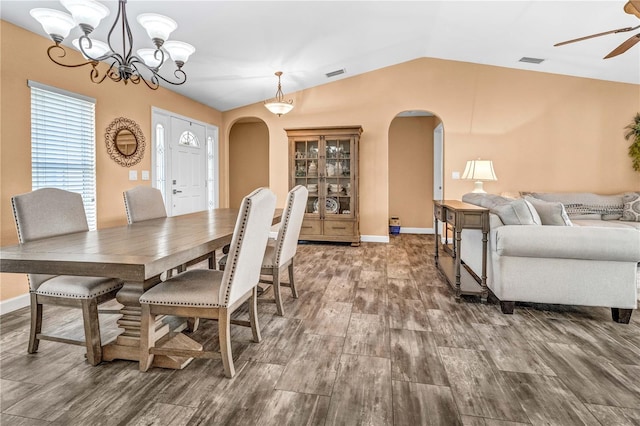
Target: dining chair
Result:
[[212, 294], [280, 252], [145, 203], [50, 212]]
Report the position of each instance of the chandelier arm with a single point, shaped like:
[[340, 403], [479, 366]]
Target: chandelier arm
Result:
[[154, 83], [125, 26], [115, 22], [62, 55]]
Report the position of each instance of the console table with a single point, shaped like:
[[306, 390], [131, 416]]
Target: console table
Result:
[[461, 216]]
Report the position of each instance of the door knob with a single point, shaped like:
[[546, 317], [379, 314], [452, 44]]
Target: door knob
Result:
[[175, 191]]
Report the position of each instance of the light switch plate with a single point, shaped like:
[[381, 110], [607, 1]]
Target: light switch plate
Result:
[[145, 175], [455, 175], [133, 175]]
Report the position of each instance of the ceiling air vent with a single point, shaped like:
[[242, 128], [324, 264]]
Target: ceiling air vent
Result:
[[531, 60], [335, 73]]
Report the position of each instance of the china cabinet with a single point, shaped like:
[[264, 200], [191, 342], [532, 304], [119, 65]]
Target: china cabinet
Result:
[[325, 160]]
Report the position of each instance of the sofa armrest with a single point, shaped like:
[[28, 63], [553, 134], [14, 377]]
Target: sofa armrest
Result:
[[568, 242]]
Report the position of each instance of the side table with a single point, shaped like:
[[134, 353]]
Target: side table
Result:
[[461, 216]]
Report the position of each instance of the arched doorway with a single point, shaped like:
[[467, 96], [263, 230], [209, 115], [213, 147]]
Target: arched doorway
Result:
[[415, 169], [248, 158]]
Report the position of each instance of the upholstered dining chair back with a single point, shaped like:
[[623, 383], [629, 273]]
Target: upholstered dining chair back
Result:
[[44, 213], [247, 245], [144, 203], [291, 223]]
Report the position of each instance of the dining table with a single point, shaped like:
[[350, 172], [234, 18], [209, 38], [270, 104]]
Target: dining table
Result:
[[137, 254]]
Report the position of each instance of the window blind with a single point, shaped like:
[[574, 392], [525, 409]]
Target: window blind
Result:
[[63, 144]]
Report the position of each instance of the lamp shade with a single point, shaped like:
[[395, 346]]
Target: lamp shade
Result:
[[157, 26], [479, 170], [179, 51], [279, 108], [86, 12], [55, 23], [149, 57], [97, 49]]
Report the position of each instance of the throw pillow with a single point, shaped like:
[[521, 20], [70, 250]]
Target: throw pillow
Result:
[[631, 209], [551, 213], [517, 212]]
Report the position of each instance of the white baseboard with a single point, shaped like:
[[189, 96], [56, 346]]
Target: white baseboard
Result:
[[404, 230], [14, 304], [374, 238]]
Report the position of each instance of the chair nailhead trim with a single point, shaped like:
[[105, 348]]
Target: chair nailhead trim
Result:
[[71, 296]]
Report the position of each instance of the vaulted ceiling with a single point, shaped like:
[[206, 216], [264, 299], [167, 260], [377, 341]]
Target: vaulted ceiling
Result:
[[239, 44]]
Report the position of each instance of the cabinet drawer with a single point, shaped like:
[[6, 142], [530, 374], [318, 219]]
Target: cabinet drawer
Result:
[[311, 227], [451, 217], [338, 228], [438, 213]]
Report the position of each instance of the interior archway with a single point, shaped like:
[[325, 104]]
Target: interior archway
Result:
[[248, 158], [412, 174]]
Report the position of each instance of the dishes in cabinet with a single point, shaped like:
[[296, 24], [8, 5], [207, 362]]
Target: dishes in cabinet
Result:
[[331, 205]]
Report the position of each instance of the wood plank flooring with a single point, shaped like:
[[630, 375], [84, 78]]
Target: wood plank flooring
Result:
[[376, 338]]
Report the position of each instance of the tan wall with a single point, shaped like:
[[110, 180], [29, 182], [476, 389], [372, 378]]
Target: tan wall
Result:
[[248, 160], [544, 132], [411, 171], [23, 57]]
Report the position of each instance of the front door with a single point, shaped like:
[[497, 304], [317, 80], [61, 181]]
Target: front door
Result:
[[188, 163]]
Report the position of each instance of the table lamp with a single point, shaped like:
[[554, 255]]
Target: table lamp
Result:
[[479, 170]]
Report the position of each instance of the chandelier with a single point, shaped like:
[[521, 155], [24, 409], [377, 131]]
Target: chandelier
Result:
[[278, 105], [123, 65]]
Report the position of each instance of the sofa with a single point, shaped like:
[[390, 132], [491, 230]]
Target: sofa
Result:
[[560, 248]]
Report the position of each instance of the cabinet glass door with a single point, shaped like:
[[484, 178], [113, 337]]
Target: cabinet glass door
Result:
[[338, 177], [307, 171]]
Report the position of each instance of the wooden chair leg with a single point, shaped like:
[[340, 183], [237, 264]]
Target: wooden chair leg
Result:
[[212, 260], [36, 324], [294, 292], [224, 333], [253, 315], [92, 331], [276, 290], [193, 324], [147, 337]]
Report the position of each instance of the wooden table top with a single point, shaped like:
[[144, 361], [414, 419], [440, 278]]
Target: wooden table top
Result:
[[134, 252]]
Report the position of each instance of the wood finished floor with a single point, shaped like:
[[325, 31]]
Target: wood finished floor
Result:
[[375, 338]]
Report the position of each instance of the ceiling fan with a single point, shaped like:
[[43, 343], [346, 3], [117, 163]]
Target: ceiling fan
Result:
[[633, 8]]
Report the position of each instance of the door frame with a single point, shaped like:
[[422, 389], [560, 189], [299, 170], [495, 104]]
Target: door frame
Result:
[[162, 116]]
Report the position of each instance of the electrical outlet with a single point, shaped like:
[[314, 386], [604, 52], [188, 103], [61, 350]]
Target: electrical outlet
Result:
[[145, 175], [455, 175], [133, 175]]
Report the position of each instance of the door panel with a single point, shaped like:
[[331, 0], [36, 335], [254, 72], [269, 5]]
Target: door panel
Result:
[[188, 163]]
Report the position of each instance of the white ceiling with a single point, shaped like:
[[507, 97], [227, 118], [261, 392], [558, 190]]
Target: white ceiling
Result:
[[239, 44]]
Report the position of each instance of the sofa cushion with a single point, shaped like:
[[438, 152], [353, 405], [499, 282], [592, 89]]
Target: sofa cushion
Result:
[[517, 212], [551, 213], [631, 208], [607, 224], [569, 242], [585, 203]]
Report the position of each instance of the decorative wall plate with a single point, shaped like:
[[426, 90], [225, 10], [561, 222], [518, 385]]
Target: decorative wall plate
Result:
[[331, 205]]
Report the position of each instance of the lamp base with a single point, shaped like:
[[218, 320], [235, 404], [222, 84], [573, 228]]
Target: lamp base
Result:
[[478, 187]]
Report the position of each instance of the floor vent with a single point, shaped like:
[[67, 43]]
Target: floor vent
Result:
[[531, 60], [336, 72]]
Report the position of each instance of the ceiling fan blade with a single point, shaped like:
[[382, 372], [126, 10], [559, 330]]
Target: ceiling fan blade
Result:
[[633, 7], [626, 45], [621, 30]]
